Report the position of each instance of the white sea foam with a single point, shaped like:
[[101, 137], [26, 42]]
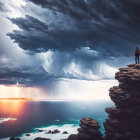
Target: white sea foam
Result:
[[70, 128], [6, 119]]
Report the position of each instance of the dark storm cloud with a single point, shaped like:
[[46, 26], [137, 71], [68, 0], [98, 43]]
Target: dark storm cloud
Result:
[[36, 36], [32, 35], [25, 76], [111, 25], [84, 9], [115, 11], [80, 34], [30, 23]]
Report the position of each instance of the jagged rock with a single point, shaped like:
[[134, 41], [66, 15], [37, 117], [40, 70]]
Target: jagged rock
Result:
[[72, 137], [39, 130], [49, 132], [27, 134], [65, 132], [88, 130], [124, 119], [123, 122], [55, 131]]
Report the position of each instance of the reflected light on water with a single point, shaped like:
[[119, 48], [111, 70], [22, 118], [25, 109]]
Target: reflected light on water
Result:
[[34, 114], [11, 107]]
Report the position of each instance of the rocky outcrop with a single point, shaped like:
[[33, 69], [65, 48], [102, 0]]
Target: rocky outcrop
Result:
[[72, 137], [12, 138], [53, 132], [124, 119], [65, 132], [88, 130], [27, 134], [123, 122]]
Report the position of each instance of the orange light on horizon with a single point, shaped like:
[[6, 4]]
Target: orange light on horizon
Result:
[[14, 107]]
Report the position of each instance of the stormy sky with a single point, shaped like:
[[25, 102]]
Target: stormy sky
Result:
[[45, 42]]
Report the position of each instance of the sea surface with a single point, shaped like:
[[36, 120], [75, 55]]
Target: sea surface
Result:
[[18, 118]]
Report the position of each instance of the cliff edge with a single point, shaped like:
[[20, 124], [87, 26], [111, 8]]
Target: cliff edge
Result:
[[123, 122], [124, 119]]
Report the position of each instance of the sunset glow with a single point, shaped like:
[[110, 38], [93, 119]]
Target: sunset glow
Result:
[[11, 107]]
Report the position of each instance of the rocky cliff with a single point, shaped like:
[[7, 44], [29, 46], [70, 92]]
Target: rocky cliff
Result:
[[124, 119], [88, 130], [123, 122]]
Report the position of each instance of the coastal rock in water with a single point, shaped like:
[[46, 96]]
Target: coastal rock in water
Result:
[[27, 134], [49, 132], [88, 130], [40, 130], [65, 132], [55, 131]]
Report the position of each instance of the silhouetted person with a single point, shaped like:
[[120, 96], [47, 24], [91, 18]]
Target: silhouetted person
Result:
[[137, 53]]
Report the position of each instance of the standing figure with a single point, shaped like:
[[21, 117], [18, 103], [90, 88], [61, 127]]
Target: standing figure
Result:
[[137, 53]]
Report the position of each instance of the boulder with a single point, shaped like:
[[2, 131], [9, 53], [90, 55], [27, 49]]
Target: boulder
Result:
[[65, 132], [55, 131]]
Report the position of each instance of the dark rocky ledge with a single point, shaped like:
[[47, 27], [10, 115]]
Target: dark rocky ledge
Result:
[[123, 122], [88, 130]]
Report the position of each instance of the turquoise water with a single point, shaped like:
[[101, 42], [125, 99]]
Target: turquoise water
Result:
[[30, 115]]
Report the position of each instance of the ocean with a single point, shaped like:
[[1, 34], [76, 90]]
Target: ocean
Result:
[[36, 118]]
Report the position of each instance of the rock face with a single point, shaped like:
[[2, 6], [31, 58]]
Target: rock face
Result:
[[123, 122], [124, 119], [88, 130]]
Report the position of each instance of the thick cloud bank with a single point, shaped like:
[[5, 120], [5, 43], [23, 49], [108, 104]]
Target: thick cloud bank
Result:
[[66, 25], [48, 40]]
